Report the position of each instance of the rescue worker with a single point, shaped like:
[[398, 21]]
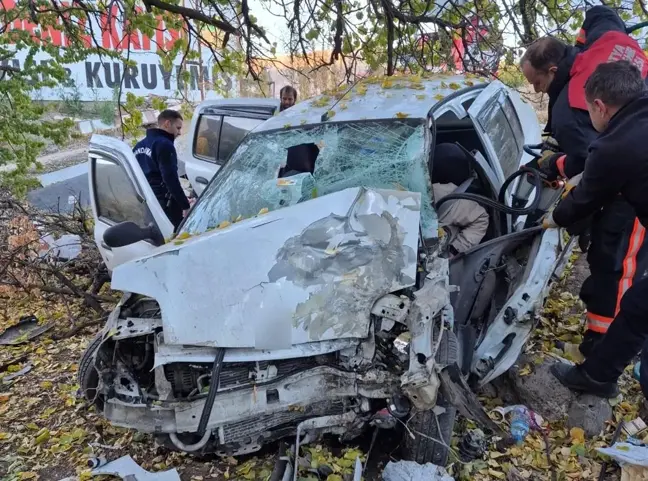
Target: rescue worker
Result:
[[463, 221], [561, 71], [617, 163], [288, 97], [158, 159]]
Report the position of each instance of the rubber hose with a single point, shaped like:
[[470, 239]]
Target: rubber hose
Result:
[[189, 448], [500, 205], [213, 389]]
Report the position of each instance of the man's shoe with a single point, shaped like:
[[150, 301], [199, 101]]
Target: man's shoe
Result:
[[574, 378]]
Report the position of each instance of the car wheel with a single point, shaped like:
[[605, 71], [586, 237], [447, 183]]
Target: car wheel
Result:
[[432, 435], [432, 444], [89, 376]]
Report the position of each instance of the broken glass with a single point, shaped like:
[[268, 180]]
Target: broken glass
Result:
[[376, 154]]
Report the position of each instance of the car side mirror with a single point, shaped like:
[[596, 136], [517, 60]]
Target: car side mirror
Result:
[[127, 233]]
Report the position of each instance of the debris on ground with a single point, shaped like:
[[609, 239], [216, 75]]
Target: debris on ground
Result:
[[126, 468], [65, 247], [7, 379], [632, 459], [472, 445], [412, 471], [25, 330]]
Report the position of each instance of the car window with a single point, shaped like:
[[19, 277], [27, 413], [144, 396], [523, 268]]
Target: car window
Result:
[[502, 126], [115, 195], [327, 158], [233, 131], [207, 134]]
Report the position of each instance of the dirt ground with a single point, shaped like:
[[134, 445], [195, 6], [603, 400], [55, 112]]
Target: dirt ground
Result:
[[47, 432]]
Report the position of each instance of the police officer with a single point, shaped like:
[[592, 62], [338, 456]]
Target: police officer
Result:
[[157, 157], [561, 71], [617, 163]]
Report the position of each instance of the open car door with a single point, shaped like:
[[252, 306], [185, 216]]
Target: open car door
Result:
[[499, 129], [119, 192], [217, 127]]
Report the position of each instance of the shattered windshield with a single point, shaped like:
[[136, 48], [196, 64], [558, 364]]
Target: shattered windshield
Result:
[[276, 169]]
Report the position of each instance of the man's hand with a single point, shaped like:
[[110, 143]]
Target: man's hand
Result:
[[549, 143], [548, 222], [184, 213], [548, 164]]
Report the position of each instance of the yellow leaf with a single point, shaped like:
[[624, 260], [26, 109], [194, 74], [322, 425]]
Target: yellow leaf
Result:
[[46, 384], [13, 368], [496, 474], [42, 436], [439, 97], [330, 114], [184, 235], [4, 436], [387, 84], [4, 398], [33, 426], [422, 97], [265, 210], [455, 86], [401, 115], [525, 371], [287, 126], [577, 435], [28, 475], [334, 477], [224, 224]]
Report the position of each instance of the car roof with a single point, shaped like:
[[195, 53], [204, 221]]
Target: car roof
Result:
[[374, 98], [243, 102]]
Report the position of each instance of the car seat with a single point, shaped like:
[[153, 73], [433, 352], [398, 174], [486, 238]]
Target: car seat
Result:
[[450, 164]]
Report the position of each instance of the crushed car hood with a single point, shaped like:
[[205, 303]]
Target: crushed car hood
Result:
[[309, 272]]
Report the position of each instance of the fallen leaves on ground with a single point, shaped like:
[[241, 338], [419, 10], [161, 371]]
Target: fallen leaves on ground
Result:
[[47, 432], [572, 454]]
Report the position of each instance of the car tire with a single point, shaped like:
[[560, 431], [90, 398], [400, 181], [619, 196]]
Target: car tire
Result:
[[88, 376], [433, 447]]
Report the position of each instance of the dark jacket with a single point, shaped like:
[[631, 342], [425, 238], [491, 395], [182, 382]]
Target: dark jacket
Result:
[[157, 157], [617, 163], [569, 121]]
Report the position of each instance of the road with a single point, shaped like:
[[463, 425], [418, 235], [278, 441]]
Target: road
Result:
[[59, 187]]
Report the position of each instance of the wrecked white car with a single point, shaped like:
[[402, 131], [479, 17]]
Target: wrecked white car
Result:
[[314, 295]]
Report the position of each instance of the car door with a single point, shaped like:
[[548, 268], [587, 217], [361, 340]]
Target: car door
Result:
[[217, 128], [500, 130], [119, 192]]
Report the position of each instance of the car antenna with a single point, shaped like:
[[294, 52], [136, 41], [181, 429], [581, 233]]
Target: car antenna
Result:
[[325, 116]]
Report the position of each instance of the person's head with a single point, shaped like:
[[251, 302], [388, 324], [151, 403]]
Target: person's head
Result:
[[171, 122], [288, 96], [540, 62], [610, 87]]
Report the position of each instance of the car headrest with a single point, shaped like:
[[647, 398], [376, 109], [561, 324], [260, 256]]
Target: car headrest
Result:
[[450, 165]]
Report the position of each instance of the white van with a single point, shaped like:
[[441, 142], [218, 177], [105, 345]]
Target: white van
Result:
[[217, 127]]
